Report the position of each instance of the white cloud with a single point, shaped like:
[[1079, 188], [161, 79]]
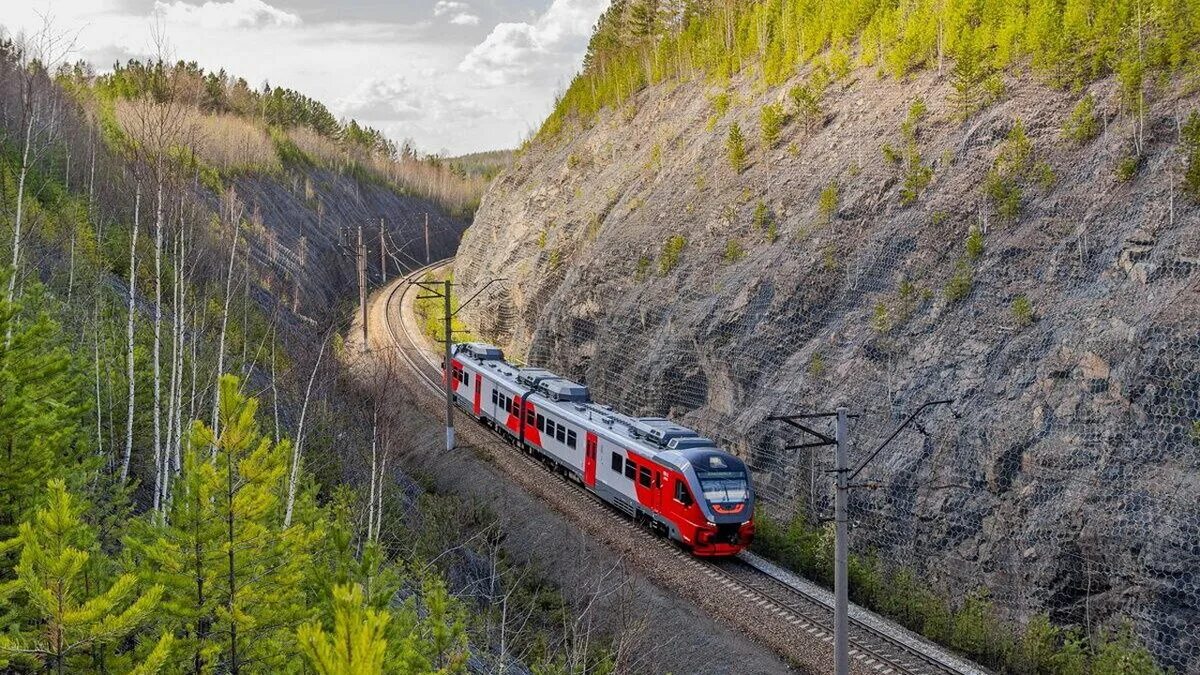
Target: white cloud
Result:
[[541, 50], [225, 15], [395, 99], [459, 12]]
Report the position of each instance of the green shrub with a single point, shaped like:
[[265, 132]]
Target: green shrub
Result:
[[1190, 137], [1196, 432], [974, 244], [916, 179], [891, 155], [1003, 182], [541, 239], [771, 122], [762, 216], [772, 232], [643, 267], [827, 203], [734, 251], [1022, 311], [735, 147], [672, 249], [720, 104], [916, 112], [655, 161], [807, 104], [880, 320], [1127, 167], [816, 365], [1082, 126], [960, 282]]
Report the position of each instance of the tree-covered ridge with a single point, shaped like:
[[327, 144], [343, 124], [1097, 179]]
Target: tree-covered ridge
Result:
[[1067, 42], [221, 93]]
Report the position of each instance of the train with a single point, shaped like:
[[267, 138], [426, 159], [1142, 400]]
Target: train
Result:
[[659, 473]]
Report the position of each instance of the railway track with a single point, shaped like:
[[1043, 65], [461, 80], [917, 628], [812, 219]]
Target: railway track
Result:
[[876, 645]]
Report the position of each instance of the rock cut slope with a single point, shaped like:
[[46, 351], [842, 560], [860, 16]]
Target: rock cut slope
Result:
[[881, 257]]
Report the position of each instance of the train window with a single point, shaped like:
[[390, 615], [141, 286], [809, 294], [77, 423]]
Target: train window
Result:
[[571, 439], [530, 416], [550, 427], [630, 469], [560, 433], [495, 400], [644, 476], [541, 423], [681, 493], [617, 461]]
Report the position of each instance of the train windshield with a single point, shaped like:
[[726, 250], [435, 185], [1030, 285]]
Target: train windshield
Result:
[[723, 487]]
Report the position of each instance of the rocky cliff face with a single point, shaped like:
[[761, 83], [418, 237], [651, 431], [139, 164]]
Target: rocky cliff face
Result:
[[1066, 475]]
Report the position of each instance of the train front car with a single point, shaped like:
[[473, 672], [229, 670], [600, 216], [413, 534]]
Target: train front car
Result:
[[726, 499]]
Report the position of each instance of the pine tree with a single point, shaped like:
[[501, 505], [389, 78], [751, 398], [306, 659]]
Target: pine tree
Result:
[[735, 145], [357, 645], [40, 412], [67, 613], [966, 78], [235, 577]]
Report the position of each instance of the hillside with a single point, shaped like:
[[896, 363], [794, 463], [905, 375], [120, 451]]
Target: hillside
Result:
[[705, 231], [191, 479]]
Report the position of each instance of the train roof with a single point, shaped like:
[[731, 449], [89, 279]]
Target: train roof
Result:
[[656, 437]]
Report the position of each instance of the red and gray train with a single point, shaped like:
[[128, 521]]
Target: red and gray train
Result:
[[654, 470]]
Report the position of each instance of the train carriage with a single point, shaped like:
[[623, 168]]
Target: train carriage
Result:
[[658, 472]]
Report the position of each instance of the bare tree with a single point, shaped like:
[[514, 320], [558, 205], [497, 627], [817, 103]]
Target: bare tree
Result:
[[37, 55], [129, 329], [234, 210], [298, 447]]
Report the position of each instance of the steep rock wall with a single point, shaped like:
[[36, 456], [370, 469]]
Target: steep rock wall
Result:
[[1066, 480]]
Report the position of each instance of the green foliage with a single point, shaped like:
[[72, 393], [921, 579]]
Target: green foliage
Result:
[[358, 643], [643, 267], [1127, 167], [960, 283], [735, 148], [655, 161], [972, 626], [806, 103], [1022, 311], [1004, 179], [1043, 174], [1082, 126], [974, 243], [734, 251], [816, 365], [762, 216], [880, 319], [827, 203], [1196, 432], [1190, 138], [42, 420], [771, 122], [720, 104], [672, 249], [891, 155], [916, 179], [72, 609], [1066, 43]]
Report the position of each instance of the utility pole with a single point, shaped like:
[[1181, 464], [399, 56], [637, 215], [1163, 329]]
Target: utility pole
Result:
[[841, 587], [448, 370], [362, 282], [841, 544], [444, 290], [382, 252], [426, 238]]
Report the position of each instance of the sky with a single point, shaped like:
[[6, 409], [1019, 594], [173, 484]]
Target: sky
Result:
[[456, 76]]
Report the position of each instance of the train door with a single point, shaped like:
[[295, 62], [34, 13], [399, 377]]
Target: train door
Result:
[[589, 461], [478, 394]]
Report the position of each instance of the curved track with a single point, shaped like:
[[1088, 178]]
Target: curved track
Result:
[[802, 609]]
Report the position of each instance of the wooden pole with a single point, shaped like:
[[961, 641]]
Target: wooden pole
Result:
[[427, 261]]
